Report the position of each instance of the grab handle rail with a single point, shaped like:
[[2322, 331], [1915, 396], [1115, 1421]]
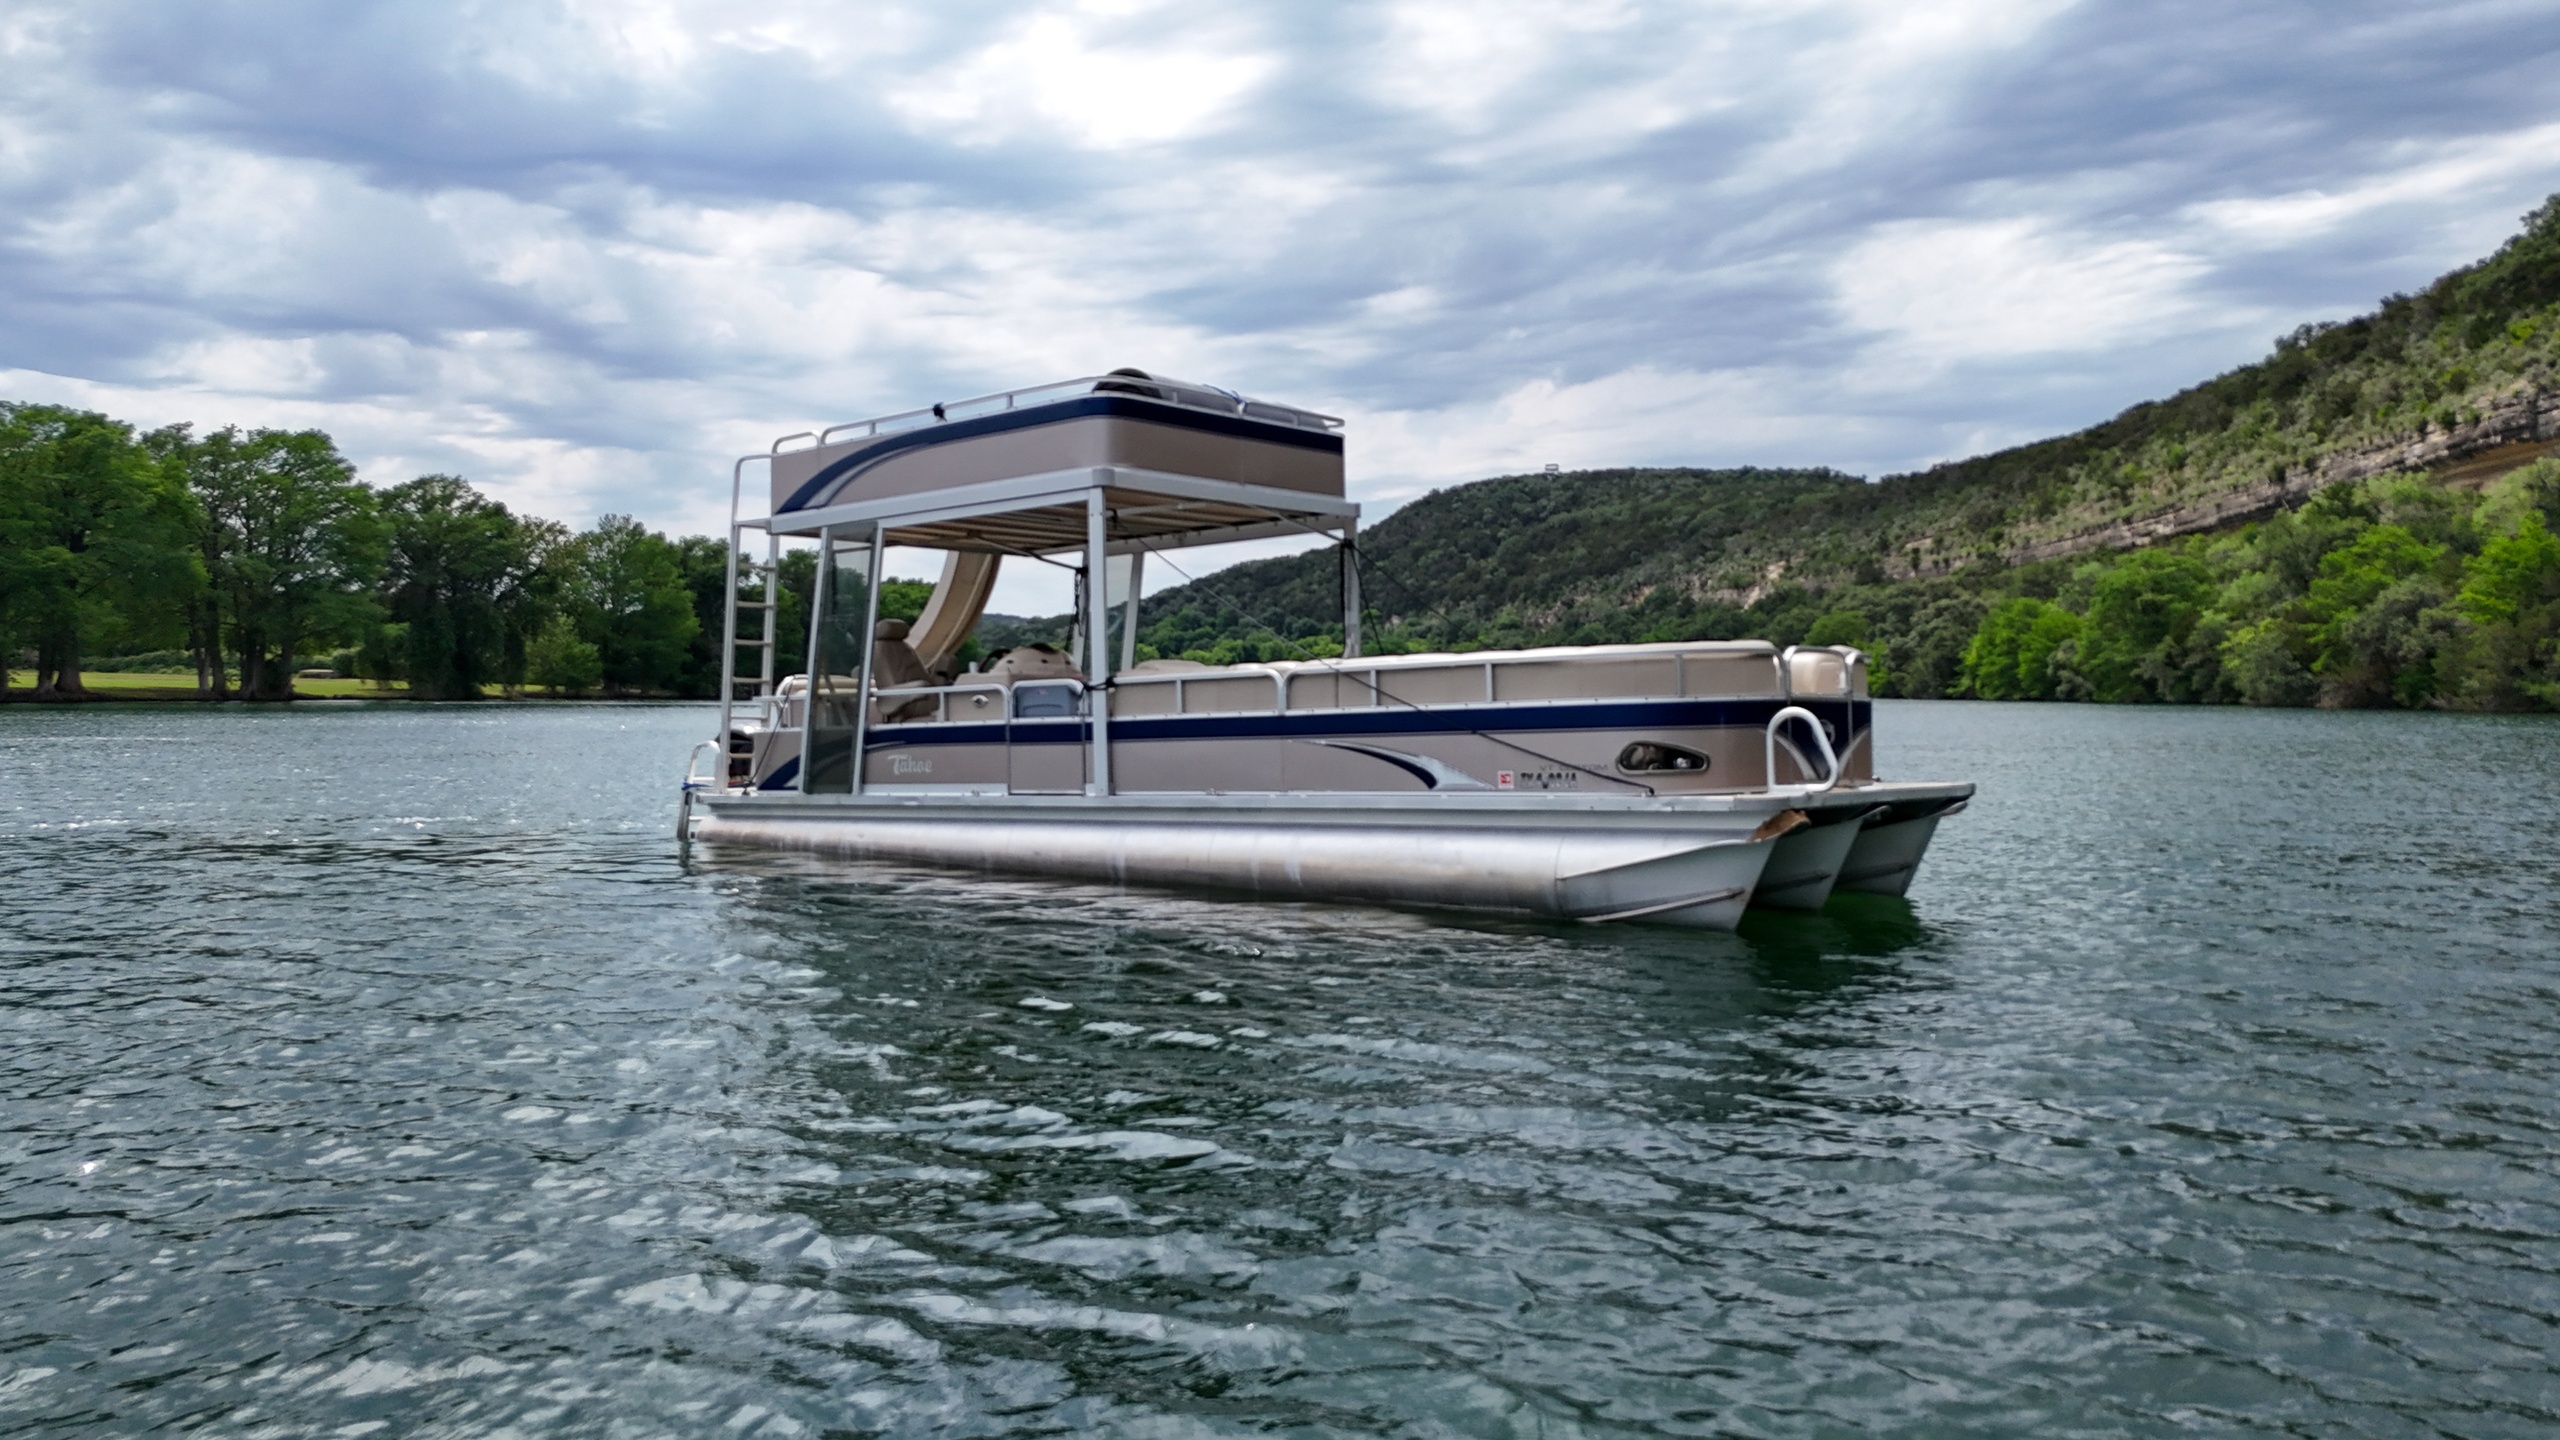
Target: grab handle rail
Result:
[[693, 777], [945, 694], [1821, 740], [1179, 679], [895, 698]]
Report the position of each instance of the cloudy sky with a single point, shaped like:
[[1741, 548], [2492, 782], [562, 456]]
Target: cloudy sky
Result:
[[585, 252]]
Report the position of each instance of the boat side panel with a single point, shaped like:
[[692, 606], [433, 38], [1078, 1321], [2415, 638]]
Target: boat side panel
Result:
[[1571, 747], [1200, 766], [981, 764]]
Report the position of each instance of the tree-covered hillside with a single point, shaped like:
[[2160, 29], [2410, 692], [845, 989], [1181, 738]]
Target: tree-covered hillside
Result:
[[2357, 519], [1506, 560]]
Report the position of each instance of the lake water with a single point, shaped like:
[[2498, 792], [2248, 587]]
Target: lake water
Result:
[[389, 1070]]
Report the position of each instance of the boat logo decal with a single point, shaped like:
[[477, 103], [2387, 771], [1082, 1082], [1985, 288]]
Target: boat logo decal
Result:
[[1434, 774]]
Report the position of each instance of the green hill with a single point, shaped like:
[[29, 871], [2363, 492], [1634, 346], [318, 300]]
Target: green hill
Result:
[[2361, 518]]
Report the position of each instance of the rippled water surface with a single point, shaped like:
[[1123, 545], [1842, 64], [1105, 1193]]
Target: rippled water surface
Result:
[[390, 1071]]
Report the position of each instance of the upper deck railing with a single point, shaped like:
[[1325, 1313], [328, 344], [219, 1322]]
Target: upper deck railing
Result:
[[1182, 393]]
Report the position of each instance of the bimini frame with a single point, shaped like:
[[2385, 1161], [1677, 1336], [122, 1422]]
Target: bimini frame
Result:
[[1089, 513]]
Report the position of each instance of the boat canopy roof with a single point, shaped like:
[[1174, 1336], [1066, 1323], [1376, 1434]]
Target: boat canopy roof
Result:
[[1013, 473]]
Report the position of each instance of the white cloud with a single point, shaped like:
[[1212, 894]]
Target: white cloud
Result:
[[1641, 416], [1950, 291], [2431, 174], [1094, 73], [1461, 64]]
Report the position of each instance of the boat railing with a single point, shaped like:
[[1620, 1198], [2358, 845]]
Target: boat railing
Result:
[[694, 779], [1823, 671], [1136, 694], [1355, 685], [1523, 680], [1187, 396], [1822, 741], [897, 704]]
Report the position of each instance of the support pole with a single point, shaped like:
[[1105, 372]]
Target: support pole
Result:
[[1129, 609], [821, 590], [863, 678], [1351, 589], [1097, 628]]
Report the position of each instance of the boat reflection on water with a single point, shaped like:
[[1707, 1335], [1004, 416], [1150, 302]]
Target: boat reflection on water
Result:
[[1862, 927]]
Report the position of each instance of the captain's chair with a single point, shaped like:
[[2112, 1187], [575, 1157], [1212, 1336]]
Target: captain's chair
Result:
[[894, 666]]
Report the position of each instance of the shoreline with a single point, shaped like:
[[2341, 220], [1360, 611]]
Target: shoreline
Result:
[[130, 688]]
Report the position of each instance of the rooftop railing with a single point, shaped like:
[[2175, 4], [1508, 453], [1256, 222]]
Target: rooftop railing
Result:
[[1180, 393]]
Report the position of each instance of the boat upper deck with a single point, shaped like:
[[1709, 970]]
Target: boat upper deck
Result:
[[1008, 473]]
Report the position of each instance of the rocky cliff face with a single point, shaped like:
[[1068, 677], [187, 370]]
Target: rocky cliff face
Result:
[[2516, 430], [2513, 431]]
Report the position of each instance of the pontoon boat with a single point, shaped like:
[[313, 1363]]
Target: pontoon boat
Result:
[[1675, 783]]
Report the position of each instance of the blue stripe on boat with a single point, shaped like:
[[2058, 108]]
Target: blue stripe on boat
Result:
[[1346, 724]]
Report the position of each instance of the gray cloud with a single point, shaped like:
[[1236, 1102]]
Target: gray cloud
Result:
[[583, 252]]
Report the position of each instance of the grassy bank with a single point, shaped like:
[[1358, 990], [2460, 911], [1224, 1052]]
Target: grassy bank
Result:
[[111, 685]]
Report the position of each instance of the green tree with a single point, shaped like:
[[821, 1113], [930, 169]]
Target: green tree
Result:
[[2395, 646], [540, 590], [1838, 627], [1925, 656], [2512, 575], [2263, 661], [558, 659], [2142, 610], [1850, 627], [455, 557], [2510, 599], [382, 656], [92, 541], [2356, 655], [291, 545], [629, 594], [704, 563], [2011, 656]]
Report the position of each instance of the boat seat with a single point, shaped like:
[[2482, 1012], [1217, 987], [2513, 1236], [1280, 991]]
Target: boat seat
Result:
[[1030, 662], [896, 666]]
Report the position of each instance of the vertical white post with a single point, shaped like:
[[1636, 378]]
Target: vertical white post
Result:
[[1129, 609], [820, 590], [1351, 588], [1097, 629], [870, 641], [728, 654]]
